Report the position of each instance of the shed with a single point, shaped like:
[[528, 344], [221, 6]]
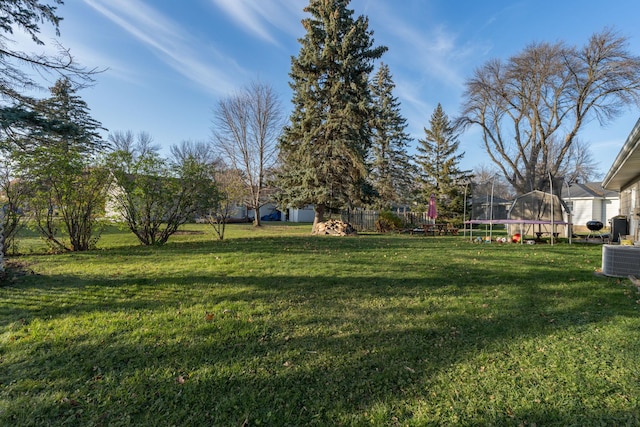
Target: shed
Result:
[[538, 206]]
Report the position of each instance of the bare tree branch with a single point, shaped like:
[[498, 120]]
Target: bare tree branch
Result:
[[246, 127]]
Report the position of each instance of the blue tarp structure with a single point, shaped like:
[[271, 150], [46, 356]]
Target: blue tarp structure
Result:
[[273, 216]]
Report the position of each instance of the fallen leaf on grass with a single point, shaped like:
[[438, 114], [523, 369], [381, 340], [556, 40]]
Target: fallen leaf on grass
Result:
[[71, 402], [208, 317]]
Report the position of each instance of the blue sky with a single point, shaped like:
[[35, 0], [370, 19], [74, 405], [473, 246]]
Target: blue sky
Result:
[[169, 62]]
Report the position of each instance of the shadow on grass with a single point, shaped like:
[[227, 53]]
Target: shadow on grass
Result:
[[295, 350]]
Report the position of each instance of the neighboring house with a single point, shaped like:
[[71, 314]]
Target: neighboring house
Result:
[[624, 177], [112, 210], [485, 207], [590, 202], [306, 214]]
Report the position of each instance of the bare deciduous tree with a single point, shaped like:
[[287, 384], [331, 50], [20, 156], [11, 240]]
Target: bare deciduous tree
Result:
[[579, 164], [231, 192], [547, 93], [484, 178], [246, 127]]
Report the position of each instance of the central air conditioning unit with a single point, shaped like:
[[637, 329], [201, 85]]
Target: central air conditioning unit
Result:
[[620, 261]]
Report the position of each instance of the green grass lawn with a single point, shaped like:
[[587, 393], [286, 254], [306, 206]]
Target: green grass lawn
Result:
[[277, 327]]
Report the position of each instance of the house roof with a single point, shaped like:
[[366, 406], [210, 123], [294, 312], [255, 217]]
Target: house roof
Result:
[[589, 190], [626, 166]]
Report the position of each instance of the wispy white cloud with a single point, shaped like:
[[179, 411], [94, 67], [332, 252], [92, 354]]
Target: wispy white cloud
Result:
[[264, 18], [499, 15], [171, 43], [433, 52]]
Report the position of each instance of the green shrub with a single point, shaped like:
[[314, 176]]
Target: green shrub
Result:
[[388, 221]]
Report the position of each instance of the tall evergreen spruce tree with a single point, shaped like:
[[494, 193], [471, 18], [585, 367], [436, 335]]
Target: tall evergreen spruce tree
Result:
[[440, 163], [72, 127], [324, 147], [392, 174], [59, 161]]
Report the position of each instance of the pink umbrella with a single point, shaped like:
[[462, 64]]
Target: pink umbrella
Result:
[[432, 213]]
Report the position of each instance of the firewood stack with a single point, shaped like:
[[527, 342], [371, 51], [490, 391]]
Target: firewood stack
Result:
[[334, 227]]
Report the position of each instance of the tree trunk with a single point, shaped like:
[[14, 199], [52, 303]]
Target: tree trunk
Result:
[[318, 217], [256, 218]]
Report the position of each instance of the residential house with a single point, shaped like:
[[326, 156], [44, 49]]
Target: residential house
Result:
[[485, 207], [624, 177], [590, 202]]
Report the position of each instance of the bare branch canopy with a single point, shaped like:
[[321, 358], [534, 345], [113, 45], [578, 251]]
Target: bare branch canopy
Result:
[[532, 107]]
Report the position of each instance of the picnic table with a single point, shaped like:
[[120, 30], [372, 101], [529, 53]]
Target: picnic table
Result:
[[440, 229]]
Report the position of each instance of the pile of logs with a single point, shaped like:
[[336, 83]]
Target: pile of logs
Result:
[[334, 227]]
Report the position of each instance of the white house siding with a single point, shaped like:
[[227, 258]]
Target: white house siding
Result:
[[590, 202], [630, 207], [601, 210], [238, 212], [605, 209], [582, 211], [301, 215], [611, 208]]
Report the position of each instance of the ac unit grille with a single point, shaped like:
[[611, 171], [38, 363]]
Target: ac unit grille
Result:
[[620, 261]]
